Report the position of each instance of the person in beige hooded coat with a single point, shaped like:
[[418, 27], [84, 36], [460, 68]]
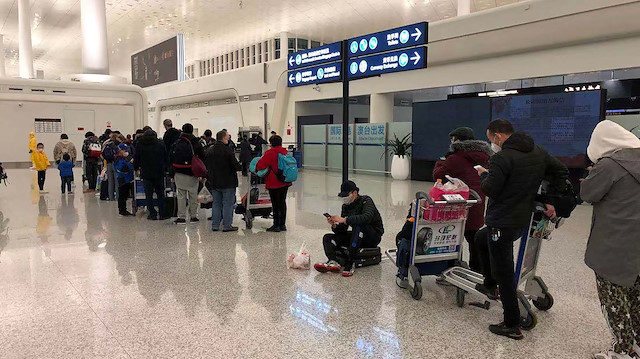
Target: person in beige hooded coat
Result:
[[64, 146], [613, 250]]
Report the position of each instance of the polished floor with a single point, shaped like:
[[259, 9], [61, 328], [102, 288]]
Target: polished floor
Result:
[[78, 281]]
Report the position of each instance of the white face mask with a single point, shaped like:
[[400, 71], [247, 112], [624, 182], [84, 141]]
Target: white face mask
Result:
[[347, 200], [126, 154], [495, 148]]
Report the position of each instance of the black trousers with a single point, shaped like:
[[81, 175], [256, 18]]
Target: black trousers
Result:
[[123, 196], [42, 175], [92, 174], [279, 204], [245, 169], [154, 186], [359, 237], [66, 183], [498, 268], [474, 258]]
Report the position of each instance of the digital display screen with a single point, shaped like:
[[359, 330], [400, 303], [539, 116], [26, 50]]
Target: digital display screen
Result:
[[156, 65]]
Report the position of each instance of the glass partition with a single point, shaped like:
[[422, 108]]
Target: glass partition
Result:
[[314, 146], [370, 147], [334, 149]]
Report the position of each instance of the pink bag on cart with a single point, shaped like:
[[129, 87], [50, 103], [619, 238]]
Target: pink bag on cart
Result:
[[446, 212]]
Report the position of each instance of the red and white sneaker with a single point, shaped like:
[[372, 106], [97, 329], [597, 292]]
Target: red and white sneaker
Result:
[[347, 273], [330, 266]]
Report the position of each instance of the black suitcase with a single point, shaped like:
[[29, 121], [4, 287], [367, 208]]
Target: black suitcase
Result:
[[364, 257], [104, 191]]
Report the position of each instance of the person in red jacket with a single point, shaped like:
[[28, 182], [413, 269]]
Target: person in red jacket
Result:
[[466, 153], [277, 188]]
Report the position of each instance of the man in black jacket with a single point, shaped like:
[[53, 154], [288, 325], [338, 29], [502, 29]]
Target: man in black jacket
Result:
[[171, 134], [222, 168], [511, 183], [151, 160], [245, 155], [359, 213], [180, 157]]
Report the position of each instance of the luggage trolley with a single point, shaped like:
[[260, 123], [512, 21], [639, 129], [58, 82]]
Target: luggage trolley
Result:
[[438, 232], [140, 200], [534, 288], [256, 202]]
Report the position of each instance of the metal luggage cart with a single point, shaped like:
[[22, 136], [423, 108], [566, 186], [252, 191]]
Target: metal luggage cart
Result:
[[533, 287], [438, 232], [139, 198], [256, 202]]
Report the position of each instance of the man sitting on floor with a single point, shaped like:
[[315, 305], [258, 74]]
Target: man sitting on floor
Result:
[[359, 213]]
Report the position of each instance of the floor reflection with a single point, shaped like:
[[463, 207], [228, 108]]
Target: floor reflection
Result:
[[4, 232]]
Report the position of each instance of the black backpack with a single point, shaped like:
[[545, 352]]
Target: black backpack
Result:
[[564, 201], [181, 153]]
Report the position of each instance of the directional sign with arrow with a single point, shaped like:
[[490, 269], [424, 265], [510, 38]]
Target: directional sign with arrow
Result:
[[398, 38], [315, 75], [315, 56], [396, 61]]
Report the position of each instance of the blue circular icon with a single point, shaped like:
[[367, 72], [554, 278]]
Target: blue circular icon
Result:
[[403, 60], [353, 68], [363, 45], [298, 77], [298, 59], [363, 66], [354, 47], [404, 36], [373, 43], [320, 74]]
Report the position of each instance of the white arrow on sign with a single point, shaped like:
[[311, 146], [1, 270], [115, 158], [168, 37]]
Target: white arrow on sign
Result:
[[417, 34], [291, 60], [291, 78], [415, 58]]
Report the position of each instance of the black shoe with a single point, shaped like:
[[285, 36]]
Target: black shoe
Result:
[[273, 229], [232, 229], [489, 292], [503, 330], [126, 214], [152, 217], [194, 219], [180, 221], [283, 228], [209, 218]]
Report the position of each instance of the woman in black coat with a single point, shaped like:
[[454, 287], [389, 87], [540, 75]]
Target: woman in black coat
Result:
[[245, 155]]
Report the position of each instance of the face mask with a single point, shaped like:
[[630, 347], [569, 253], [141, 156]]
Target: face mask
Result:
[[347, 200], [126, 154], [40, 149], [495, 148]]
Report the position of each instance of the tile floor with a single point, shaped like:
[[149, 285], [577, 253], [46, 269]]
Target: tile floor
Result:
[[78, 281]]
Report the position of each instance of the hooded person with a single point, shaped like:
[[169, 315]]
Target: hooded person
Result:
[[64, 146], [33, 143], [613, 250]]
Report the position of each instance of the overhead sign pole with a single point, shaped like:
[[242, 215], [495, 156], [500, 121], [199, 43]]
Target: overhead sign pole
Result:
[[345, 112]]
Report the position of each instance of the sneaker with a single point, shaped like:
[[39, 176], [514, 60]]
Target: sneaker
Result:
[[194, 219], [283, 228], [152, 217], [402, 282], [273, 229], [330, 266], [443, 282], [180, 221], [490, 293], [321, 267], [347, 273], [209, 218], [70, 192], [126, 214], [610, 354], [503, 330], [43, 192], [232, 229]]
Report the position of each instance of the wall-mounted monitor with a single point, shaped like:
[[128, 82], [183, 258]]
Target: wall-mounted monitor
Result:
[[159, 64]]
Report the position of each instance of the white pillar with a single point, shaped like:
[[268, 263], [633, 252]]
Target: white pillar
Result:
[[95, 55], [3, 73], [284, 45], [197, 69], [464, 7], [381, 108], [24, 39]]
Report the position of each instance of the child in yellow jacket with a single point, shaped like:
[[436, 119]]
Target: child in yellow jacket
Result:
[[41, 162]]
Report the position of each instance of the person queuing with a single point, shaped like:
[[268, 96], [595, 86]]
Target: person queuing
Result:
[[511, 183], [181, 156], [66, 173], [151, 160], [65, 146], [124, 176], [613, 250], [360, 213], [41, 164], [245, 155], [230, 142], [277, 188], [259, 142], [171, 135], [465, 153], [105, 136], [91, 151], [207, 140], [222, 168], [109, 153]]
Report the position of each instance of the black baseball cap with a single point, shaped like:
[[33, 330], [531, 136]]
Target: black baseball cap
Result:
[[462, 133], [348, 187]]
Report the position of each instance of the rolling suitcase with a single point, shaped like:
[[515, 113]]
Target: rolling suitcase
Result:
[[364, 257]]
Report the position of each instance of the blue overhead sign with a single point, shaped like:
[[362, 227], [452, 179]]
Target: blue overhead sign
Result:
[[404, 60], [317, 55], [314, 75], [401, 37]]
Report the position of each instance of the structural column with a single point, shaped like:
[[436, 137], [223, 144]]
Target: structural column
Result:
[[284, 45], [95, 55], [464, 7], [24, 39], [381, 108], [2, 69]]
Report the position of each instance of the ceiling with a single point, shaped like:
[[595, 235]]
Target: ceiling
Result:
[[211, 27]]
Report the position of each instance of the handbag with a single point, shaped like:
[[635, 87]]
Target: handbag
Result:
[[197, 166]]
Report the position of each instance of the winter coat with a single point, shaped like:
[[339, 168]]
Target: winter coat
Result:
[[124, 170], [85, 150], [40, 160], [270, 161], [170, 137], [361, 213], [513, 180], [180, 149], [245, 152], [222, 166], [459, 164], [66, 169], [150, 158], [62, 147], [613, 187], [33, 143]]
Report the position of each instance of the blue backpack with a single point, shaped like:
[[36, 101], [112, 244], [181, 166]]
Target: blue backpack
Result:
[[287, 168], [252, 168]]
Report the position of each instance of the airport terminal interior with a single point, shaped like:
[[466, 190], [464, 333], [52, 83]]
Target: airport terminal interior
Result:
[[518, 118]]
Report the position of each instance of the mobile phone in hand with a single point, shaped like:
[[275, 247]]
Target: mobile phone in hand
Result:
[[327, 215]]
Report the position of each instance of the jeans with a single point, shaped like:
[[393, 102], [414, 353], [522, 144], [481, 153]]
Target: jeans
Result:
[[154, 186], [66, 183], [222, 209], [498, 268], [364, 237], [42, 175], [124, 191], [92, 174], [112, 181], [187, 188], [279, 204]]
